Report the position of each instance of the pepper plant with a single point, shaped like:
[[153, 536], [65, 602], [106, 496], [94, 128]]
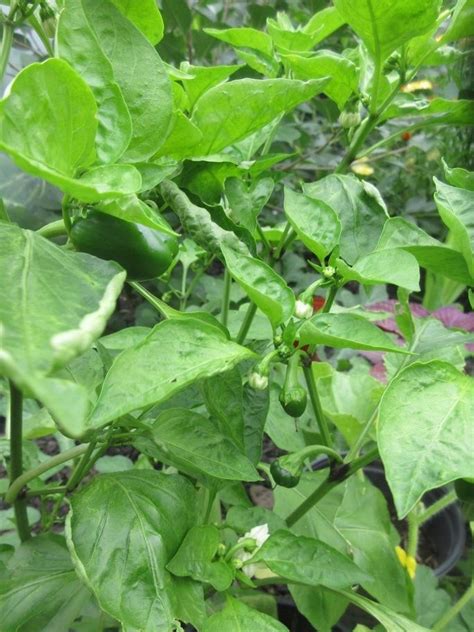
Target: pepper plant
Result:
[[168, 171]]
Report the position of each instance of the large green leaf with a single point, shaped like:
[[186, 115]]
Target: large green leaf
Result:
[[461, 23], [360, 209], [425, 430], [139, 72], [55, 303], [308, 561], [322, 608], [230, 112], [122, 531], [315, 223], [175, 354], [193, 444], [74, 35], [455, 207], [384, 25], [48, 126], [239, 617], [195, 558], [322, 24], [145, 15], [345, 330], [204, 78], [354, 519], [342, 72], [39, 588], [244, 37], [223, 395], [264, 286], [131, 209], [384, 266], [429, 252], [437, 111]]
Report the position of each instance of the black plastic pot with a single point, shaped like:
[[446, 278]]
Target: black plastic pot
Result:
[[446, 531]]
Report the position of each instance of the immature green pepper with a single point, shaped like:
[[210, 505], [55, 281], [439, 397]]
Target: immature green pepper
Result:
[[293, 396], [145, 253], [284, 477]]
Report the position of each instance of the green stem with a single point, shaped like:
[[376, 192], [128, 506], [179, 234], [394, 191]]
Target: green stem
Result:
[[330, 299], [65, 212], [317, 408], [38, 27], [244, 328], [16, 461], [282, 241], [243, 544], [309, 502], [436, 507], [413, 534], [327, 485], [53, 229], [7, 41], [46, 491], [23, 479], [210, 502], [354, 451], [81, 467], [359, 139], [226, 298], [455, 610], [165, 310]]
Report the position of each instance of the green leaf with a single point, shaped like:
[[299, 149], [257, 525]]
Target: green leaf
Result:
[[64, 133], [437, 111], [244, 37], [204, 78], [392, 621], [342, 72], [315, 223], [238, 617], [247, 201], [243, 519], [194, 558], [322, 24], [122, 531], [39, 589], [429, 252], [223, 396], [345, 330], [360, 208], [230, 112], [262, 284], [183, 137], [424, 430], [321, 607], [455, 208], [131, 209], [431, 602], [45, 325], [74, 35], [461, 23], [177, 14], [140, 377], [192, 443], [394, 266], [384, 25], [458, 177], [145, 15], [307, 561], [139, 72], [255, 410]]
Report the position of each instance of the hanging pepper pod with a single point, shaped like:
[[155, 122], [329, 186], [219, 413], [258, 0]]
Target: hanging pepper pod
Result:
[[293, 395]]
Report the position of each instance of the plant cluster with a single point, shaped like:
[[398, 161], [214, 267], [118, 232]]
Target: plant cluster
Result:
[[288, 328]]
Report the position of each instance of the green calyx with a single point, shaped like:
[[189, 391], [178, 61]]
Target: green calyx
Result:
[[145, 253]]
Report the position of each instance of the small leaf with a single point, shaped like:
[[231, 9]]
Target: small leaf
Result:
[[192, 443], [307, 561], [346, 330], [315, 223], [195, 558], [244, 38], [424, 430], [384, 266], [262, 284], [131, 209], [140, 376], [360, 209]]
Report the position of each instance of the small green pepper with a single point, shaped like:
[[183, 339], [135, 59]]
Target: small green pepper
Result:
[[293, 396], [464, 488], [145, 253], [282, 476]]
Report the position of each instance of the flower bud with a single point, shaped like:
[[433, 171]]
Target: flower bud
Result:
[[303, 310], [328, 272], [349, 119], [257, 381]]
